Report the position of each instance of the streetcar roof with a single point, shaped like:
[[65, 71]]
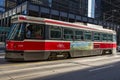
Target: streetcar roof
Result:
[[22, 18]]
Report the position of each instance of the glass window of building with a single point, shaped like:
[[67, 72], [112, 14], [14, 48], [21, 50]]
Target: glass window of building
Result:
[[2, 6]]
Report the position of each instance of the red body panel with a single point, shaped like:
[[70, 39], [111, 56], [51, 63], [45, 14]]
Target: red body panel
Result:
[[57, 46], [30, 45], [104, 45], [47, 45], [13, 45]]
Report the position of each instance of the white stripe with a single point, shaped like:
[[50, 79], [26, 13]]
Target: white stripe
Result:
[[85, 28], [61, 41], [105, 67], [105, 42], [67, 23], [44, 50], [45, 40]]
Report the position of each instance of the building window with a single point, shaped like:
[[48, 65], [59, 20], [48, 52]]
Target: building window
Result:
[[33, 13]]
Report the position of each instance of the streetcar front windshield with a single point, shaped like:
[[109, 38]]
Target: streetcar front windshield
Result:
[[21, 31], [16, 32]]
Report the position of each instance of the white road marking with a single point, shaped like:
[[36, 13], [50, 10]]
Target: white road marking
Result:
[[105, 67]]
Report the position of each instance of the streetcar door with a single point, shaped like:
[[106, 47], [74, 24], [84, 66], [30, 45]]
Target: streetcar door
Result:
[[69, 36], [76, 44]]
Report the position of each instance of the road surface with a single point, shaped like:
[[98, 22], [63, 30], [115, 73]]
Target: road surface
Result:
[[105, 67]]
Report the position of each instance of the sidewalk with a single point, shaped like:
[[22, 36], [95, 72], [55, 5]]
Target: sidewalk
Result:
[[2, 48]]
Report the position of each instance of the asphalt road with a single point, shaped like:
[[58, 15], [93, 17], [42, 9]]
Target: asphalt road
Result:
[[105, 67], [106, 72]]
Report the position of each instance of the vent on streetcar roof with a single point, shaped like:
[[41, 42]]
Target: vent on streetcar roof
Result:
[[81, 23], [94, 26]]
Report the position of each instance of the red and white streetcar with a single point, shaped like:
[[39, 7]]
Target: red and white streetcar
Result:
[[33, 38]]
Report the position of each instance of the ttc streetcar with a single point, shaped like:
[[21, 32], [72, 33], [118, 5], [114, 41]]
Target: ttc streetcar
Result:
[[33, 38]]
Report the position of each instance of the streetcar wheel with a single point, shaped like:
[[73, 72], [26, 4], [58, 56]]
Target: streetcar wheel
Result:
[[103, 52], [66, 55], [110, 51]]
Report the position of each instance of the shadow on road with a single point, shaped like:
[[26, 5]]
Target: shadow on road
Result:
[[111, 73]]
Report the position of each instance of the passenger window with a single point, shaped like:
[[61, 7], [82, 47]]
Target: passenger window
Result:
[[96, 36], [55, 32], [104, 37], [79, 35], [109, 37], [88, 35], [28, 31], [68, 34], [34, 31], [114, 38]]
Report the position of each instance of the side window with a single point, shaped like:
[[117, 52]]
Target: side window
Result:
[[55, 32], [28, 31], [104, 37], [110, 37], [68, 34], [35, 31], [79, 35], [114, 38], [96, 36], [88, 35]]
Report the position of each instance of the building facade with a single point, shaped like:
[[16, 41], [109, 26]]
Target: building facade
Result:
[[103, 9], [2, 10], [72, 6], [2, 6], [98, 9], [110, 13], [10, 4], [55, 9], [111, 10]]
